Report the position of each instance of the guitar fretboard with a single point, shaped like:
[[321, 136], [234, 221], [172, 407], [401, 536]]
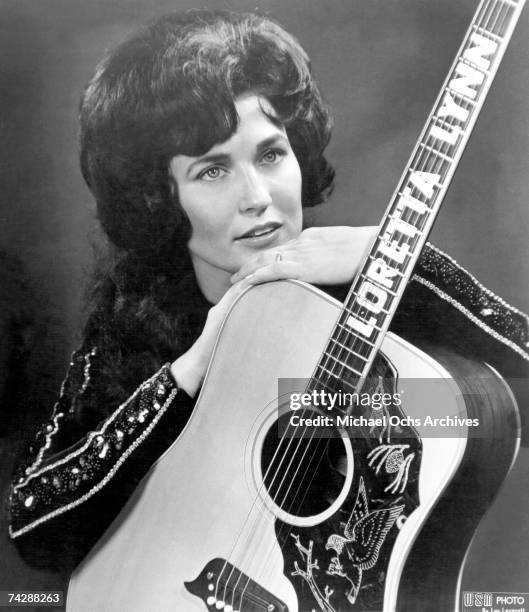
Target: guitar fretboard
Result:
[[380, 283]]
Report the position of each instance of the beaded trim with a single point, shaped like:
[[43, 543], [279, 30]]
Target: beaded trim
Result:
[[49, 432], [53, 426], [91, 435], [86, 370], [471, 316], [109, 475], [477, 283], [47, 442]]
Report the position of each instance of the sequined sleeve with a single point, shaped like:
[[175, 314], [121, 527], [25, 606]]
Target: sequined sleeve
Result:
[[62, 484], [446, 282]]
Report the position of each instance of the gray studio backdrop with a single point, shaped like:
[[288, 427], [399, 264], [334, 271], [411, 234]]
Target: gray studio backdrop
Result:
[[380, 64]]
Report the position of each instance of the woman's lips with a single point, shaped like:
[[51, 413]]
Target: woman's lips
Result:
[[260, 235]]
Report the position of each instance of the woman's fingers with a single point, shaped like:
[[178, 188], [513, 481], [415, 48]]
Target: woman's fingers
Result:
[[321, 255], [277, 270], [261, 260]]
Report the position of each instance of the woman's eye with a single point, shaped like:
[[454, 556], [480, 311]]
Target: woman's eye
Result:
[[272, 156], [211, 174]]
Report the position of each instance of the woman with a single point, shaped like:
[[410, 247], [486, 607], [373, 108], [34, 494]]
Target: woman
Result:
[[202, 138]]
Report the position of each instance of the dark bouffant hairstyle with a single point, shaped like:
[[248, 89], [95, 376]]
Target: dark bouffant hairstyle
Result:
[[170, 89], [167, 90]]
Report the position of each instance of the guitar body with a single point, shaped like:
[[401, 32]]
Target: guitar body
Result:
[[202, 533]]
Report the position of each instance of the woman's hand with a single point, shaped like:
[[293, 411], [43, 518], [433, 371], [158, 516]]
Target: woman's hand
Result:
[[190, 368], [320, 255]]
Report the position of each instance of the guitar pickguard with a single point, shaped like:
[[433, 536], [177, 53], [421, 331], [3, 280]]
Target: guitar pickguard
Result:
[[341, 564]]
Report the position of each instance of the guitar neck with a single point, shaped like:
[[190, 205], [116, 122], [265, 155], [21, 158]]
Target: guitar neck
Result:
[[381, 281]]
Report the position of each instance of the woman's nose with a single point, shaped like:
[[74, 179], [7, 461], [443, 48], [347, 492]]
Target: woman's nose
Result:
[[255, 193]]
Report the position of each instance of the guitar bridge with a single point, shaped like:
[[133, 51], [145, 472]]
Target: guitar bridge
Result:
[[222, 586]]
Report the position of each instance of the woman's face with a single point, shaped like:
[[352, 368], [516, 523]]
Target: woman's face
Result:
[[243, 195]]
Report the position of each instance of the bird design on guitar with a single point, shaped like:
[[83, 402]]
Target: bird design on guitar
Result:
[[363, 536]]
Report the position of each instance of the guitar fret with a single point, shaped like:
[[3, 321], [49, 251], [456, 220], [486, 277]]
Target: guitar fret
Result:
[[352, 312], [348, 349], [316, 382], [438, 153], [349, 330], [454, 93], [375, 327], [399, 233], [446, 122], [411, 243], [353, 353], [320, 367], [371, 344], [466, 61], [487, 34], [401, 220], [342, 363], [402, 197], [323, 385], [334, 375], [400, 273], [377, 284], [409, 254], [381, 238]]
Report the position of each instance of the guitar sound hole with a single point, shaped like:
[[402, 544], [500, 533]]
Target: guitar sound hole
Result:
[[303, 476]]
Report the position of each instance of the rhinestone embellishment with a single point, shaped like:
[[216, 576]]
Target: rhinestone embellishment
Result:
[[28, 502]]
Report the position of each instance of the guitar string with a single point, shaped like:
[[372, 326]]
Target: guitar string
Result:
[[311, 460], [412, 222], [255, 531], [342, 369], [425, 166], [442, 149], [328, 356], [445, 147], [319, 457]]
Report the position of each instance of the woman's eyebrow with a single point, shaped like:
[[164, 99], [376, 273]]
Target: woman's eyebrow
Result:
[[273, 140]]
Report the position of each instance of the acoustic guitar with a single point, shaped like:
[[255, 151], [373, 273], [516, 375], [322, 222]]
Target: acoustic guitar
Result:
[[271, 499]]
